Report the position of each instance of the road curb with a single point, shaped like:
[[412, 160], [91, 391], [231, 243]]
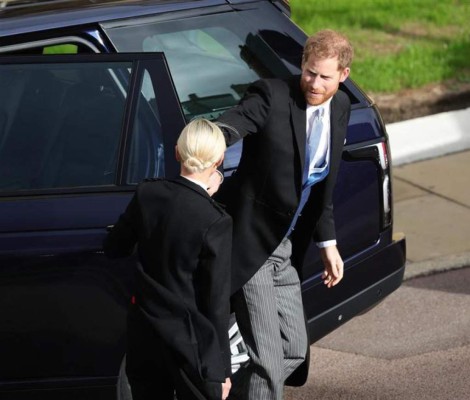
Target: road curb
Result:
[[428, 137], [436, 265]]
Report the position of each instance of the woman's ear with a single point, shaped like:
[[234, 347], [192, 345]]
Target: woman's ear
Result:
[[221, 160]]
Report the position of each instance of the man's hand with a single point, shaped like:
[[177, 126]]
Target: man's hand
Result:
[[334, 266], [226, 388]]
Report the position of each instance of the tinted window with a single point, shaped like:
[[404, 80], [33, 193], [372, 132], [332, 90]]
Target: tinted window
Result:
[[213, 58], [60, 126], [51, 47], [146, 157]]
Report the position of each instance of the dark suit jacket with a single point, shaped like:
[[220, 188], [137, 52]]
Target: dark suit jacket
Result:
[[183, 282], [264, 193]]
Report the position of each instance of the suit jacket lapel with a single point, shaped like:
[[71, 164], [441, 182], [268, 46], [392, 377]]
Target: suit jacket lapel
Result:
[[298, 108], [337, 115]]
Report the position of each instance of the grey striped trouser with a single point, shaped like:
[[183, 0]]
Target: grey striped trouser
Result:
[[270, 316]]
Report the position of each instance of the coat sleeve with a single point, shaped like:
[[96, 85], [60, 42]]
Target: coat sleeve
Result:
[[325, 229], [214, 282], [122, 238], [250, 115]]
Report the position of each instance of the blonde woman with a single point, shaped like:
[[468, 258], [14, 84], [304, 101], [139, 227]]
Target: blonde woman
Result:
[[178, 320]]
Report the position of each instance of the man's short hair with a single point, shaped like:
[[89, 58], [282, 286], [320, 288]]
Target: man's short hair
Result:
[[328, 44]]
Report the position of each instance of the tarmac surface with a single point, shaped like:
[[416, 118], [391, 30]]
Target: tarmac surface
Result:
[[416, 343]]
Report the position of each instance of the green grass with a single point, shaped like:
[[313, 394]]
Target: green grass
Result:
[[398, 43]]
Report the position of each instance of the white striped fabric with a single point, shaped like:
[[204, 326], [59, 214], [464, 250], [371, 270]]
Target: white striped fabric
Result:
[[270, 316]]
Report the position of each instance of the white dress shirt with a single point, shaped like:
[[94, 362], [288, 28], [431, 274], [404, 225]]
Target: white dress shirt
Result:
[[323, 149]]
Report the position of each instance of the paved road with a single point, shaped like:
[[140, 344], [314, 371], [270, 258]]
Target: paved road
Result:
[[414, 345]]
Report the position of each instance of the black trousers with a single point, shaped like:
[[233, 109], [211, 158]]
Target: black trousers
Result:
[[151, 368]]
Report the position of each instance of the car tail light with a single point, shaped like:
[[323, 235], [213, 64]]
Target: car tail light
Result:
[[380, 153], [382, 156], [386, 185]]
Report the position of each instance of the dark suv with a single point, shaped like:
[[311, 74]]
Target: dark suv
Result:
[[92, 97]]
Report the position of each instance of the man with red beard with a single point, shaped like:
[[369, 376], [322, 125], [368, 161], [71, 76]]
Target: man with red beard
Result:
[[280, 198]]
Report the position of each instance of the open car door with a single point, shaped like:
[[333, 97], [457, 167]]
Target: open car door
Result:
[[77, 133]]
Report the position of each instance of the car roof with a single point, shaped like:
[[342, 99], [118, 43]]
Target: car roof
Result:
[[23, 16]]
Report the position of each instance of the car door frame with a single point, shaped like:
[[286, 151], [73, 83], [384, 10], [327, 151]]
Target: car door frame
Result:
[[30, 239]]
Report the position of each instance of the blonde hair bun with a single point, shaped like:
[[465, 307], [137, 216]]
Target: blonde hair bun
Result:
[[200, 145]]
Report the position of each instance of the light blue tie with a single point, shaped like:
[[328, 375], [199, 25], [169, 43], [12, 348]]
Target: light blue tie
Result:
[[311, 147], [313, 140]]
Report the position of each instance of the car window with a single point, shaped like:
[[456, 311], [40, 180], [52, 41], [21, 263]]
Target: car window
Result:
[[61, 49], [213, 58], [60, 126], [146, 155], [46, 47]]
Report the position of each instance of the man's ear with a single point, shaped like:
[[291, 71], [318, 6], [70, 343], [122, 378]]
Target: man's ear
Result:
[[344, 74]]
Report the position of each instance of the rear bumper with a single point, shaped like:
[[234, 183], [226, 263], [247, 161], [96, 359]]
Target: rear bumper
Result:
[[364, 285]]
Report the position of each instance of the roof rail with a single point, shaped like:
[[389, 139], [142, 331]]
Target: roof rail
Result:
[[13, 4], [283, 5], [17, 3]]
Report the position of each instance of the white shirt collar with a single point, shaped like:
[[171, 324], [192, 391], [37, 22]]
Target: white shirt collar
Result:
[[199, 183], [325, 105]]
